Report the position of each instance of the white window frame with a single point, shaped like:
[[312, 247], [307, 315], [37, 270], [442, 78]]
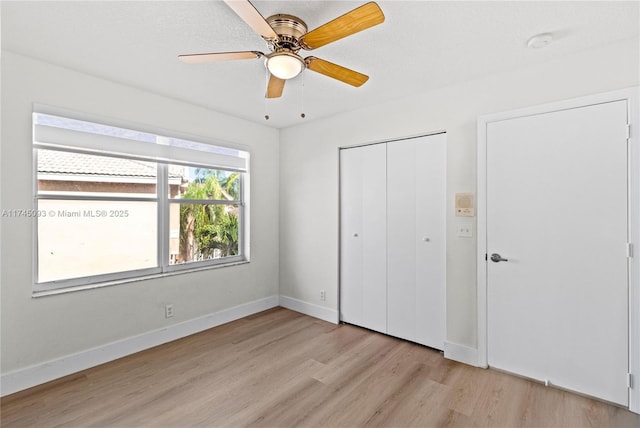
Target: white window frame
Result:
[[168, 149]]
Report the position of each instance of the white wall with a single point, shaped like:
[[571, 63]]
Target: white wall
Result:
[[309, 167], [36, 330]]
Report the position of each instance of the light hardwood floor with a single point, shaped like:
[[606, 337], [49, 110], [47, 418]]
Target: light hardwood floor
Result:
[[283, 369]]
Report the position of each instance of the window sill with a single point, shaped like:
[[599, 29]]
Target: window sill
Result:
[[42, 293]]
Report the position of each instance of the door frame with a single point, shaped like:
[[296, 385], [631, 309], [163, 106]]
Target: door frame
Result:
[[631, 96]]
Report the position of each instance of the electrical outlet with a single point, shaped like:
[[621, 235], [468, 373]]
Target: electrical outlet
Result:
[[323, 295], [168, 311]]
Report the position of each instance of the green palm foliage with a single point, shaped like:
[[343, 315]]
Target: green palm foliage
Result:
[[205, 228]]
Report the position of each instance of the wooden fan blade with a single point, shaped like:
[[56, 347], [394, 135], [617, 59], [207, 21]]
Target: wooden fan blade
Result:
[[249, 14], [275, 87], [358, 19], [220, 56], [336, 71]]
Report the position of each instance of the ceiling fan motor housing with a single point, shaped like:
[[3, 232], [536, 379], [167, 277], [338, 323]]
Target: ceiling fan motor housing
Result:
[[284, 61], [290, 28]]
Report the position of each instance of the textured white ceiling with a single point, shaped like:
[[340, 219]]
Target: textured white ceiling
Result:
[[421, 46]]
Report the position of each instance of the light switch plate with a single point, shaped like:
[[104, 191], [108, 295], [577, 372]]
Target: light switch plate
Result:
[[464, 230]]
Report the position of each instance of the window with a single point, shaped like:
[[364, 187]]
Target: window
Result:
[[203, 215], [114, 204]]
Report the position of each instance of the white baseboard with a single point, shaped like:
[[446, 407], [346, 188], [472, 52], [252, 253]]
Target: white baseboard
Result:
[[461, 353], [38, 374], [310, 309]]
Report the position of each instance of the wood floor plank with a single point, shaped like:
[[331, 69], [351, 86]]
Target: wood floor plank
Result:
[[280, 368]]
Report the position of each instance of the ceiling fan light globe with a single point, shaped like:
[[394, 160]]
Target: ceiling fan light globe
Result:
[[285, 66]]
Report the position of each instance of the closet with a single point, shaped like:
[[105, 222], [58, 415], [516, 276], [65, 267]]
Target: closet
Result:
[[392, 238]]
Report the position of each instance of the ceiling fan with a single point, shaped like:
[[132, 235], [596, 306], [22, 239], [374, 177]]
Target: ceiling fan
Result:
[[286, 35]]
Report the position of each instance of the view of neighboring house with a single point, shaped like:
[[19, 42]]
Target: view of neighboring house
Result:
[[104, 205]]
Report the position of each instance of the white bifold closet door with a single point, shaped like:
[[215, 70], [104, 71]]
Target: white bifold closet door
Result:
[[392, 238], [416, 246], [363, 267]]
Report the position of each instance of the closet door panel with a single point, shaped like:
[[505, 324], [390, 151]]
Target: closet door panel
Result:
[[431, 249], [351, 292], [416, 208], [401, 237], [363, 289]]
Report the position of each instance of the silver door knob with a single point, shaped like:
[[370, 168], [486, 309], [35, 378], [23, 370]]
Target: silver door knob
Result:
[[495, 257], [355, 235]]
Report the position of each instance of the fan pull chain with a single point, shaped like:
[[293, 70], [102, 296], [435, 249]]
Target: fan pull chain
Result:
[[266, 109], [302, 115]]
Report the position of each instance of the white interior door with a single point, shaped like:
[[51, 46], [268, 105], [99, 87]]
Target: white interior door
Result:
[[416, 223], [557, 211], [363, 246]]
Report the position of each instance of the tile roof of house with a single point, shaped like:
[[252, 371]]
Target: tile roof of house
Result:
[[68, 163]]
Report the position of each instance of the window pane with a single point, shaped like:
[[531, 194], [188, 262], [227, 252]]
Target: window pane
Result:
[[202, 232], [85, 238], [204, 184], [76, 173]]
